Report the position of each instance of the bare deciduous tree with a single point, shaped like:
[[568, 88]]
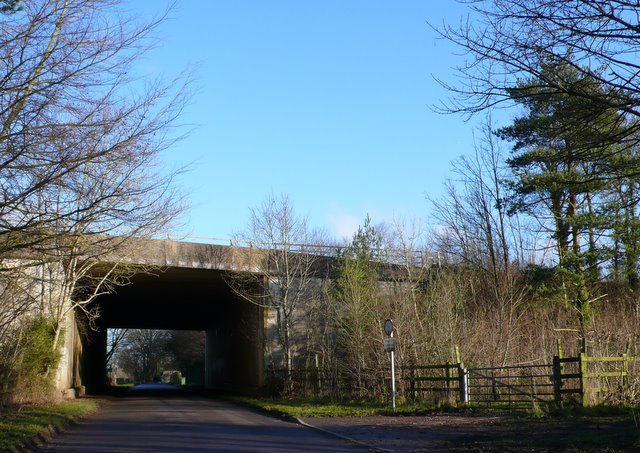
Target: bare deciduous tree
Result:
[[81, 141], [116, 341], [145, 353], [477, 233], [283, 251], [77, 132]]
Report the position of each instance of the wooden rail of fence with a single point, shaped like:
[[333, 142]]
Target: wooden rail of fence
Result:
[[566, 384], [595, 382], [442, 381], [587, 379]]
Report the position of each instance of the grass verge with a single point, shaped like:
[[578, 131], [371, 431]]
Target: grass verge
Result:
[[20, 425], [319, 408], [322, 408]]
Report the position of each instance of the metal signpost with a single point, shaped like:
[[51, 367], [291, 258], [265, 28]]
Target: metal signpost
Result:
[[390, 346]]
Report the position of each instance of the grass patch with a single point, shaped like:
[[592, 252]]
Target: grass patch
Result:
[[19, 425], [320, 408], [595, 411], [306, 408]]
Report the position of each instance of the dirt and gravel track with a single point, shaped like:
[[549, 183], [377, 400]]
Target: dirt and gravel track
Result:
[[486, 433]]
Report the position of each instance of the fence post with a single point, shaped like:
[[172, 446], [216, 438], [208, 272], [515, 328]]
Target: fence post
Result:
[[559, 347], [557, 373], [412, 383], [463, 375], [463, 378], [449, 377], [534, 395], [318, 377], [584, 388], [557, 380]]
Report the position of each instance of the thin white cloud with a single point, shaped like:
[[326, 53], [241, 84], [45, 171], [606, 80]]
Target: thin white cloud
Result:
[[342, 224]]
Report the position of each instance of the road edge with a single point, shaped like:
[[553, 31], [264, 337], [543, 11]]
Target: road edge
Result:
[[340, 436]]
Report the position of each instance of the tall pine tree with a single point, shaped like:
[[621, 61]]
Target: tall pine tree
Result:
[[561, 169]]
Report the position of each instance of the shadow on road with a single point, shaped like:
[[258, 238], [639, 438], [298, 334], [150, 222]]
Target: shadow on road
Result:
[[155, 389], [160, 390]]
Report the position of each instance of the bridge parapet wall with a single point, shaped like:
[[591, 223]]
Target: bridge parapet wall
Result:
[[169, 253]]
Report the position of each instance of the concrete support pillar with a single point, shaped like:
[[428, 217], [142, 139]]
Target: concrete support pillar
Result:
[[215, 363], [93, 362], [234, 349], [67, 368]]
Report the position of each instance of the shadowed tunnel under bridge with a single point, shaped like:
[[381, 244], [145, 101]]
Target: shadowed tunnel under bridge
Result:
[[186, 292]]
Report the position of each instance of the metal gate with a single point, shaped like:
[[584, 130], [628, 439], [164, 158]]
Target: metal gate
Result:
[[513, 386]]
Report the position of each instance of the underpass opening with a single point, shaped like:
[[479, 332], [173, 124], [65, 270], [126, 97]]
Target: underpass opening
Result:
[[184, 299], [175, 357]]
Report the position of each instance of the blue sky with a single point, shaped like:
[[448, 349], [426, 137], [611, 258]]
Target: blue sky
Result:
[[327, 102]]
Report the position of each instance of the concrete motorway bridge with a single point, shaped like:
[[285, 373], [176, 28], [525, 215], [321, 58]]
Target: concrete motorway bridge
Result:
[[186, 291]]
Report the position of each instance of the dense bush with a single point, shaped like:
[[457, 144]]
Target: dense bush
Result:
[[31, 378]]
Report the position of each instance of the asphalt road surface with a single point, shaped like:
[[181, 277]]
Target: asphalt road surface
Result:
[[152, 419]]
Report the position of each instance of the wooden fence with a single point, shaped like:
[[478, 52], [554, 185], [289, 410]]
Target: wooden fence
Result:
[[580, 380], [514, 386], [592, 379], [432, 382]]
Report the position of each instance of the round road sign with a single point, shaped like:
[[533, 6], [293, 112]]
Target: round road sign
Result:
[[388, 327]]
